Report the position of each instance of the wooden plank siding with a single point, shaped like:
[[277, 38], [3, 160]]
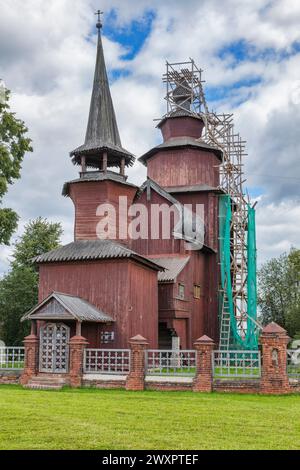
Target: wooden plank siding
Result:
[[156, 246], [193, 317], [126, 290], [87, 196], [178, 167]]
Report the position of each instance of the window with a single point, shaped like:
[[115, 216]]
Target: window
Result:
[[107, 336], [197, 291], [181, 291]]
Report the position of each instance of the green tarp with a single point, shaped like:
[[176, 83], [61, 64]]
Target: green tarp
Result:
[[225, 213]]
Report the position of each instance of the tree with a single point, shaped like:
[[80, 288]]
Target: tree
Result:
[[13, 146], [39, 237], [18, 294], [279, 291], [19, 287], [293, 311]]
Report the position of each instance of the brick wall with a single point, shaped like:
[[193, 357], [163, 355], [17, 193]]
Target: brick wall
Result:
[[273, 380], [10, 377], [236, 386]]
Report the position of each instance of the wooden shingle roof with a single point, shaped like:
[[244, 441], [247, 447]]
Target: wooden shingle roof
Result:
[[102, 134], [179, 142]]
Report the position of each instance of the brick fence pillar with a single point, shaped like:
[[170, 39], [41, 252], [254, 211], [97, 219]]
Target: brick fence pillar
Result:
[[31, 344], [77, 347], [274, 378], [136, 377], [203, 381]]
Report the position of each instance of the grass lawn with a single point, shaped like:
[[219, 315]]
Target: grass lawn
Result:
[[116, 419]]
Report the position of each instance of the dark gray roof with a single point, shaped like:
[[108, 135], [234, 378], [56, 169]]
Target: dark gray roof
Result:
[[97, 176], [179, 112], [190, 189], [86, 250], [72, 307], [150, 184], [173, 267], [179, 142], [102, 132]]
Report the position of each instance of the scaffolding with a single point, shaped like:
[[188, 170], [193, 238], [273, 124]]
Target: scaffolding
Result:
[[185, 96]]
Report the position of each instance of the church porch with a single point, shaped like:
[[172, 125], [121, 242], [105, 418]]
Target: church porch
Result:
[[61, 327]]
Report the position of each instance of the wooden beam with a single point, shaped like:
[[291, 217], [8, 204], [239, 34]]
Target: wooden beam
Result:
[[83, 164], [104, 162], [33, 327], [78, 328], [122, 166]]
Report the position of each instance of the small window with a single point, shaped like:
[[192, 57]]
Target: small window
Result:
[[107, 336], [197, 291], [181, 291]]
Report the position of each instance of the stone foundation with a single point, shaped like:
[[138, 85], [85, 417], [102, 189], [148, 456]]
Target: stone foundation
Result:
[[8, 377]]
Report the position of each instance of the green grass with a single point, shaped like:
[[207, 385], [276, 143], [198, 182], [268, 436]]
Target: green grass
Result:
[[11, 365], [116, 419], [227, 372]]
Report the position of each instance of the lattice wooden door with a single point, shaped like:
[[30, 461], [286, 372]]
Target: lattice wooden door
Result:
[[54, 348]]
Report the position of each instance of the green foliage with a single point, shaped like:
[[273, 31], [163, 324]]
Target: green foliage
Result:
[[293, 310], [18, 293], [8, 224], [13, 146], [19, 287], [39, 237], [279, 291]]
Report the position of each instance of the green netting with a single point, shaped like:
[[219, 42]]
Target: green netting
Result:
[[250, 341], [251, 338]]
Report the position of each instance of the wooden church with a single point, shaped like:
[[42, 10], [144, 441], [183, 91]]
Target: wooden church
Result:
[[108, 290]]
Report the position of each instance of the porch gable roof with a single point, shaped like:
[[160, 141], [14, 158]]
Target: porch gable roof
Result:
[[59, 306], [173, 266]]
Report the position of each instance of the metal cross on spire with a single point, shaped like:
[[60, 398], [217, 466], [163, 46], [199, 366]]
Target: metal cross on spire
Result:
[[102, 139], [99, 24]]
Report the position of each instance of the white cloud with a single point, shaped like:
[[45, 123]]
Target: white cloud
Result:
[[278, 228], [47, 57]]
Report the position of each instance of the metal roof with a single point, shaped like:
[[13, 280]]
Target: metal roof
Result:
[[72, 308], [102, 132], [178, 113], [97, 176], [173, 267], [85, 250], [179, 142]]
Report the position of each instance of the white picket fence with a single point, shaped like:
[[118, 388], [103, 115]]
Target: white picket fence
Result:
[[12, 358]]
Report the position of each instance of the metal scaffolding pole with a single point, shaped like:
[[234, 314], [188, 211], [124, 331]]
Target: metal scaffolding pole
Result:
[[185, 95]]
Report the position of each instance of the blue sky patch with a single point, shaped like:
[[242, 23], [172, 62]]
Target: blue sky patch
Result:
[[241, 51], [255, 191], [131, 36], [219, 93]]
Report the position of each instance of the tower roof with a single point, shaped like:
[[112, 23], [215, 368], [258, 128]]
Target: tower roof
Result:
[[102, 134]]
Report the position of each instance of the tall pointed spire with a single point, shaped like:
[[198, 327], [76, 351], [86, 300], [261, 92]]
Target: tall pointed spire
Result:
[[102, 147]]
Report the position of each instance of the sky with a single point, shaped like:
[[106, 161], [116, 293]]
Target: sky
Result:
[[250, 54]]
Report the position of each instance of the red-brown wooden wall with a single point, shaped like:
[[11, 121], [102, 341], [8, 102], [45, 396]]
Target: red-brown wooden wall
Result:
[[125, 290]]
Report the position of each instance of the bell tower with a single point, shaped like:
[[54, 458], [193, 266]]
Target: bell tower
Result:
[[102, 150], [183, 159]]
